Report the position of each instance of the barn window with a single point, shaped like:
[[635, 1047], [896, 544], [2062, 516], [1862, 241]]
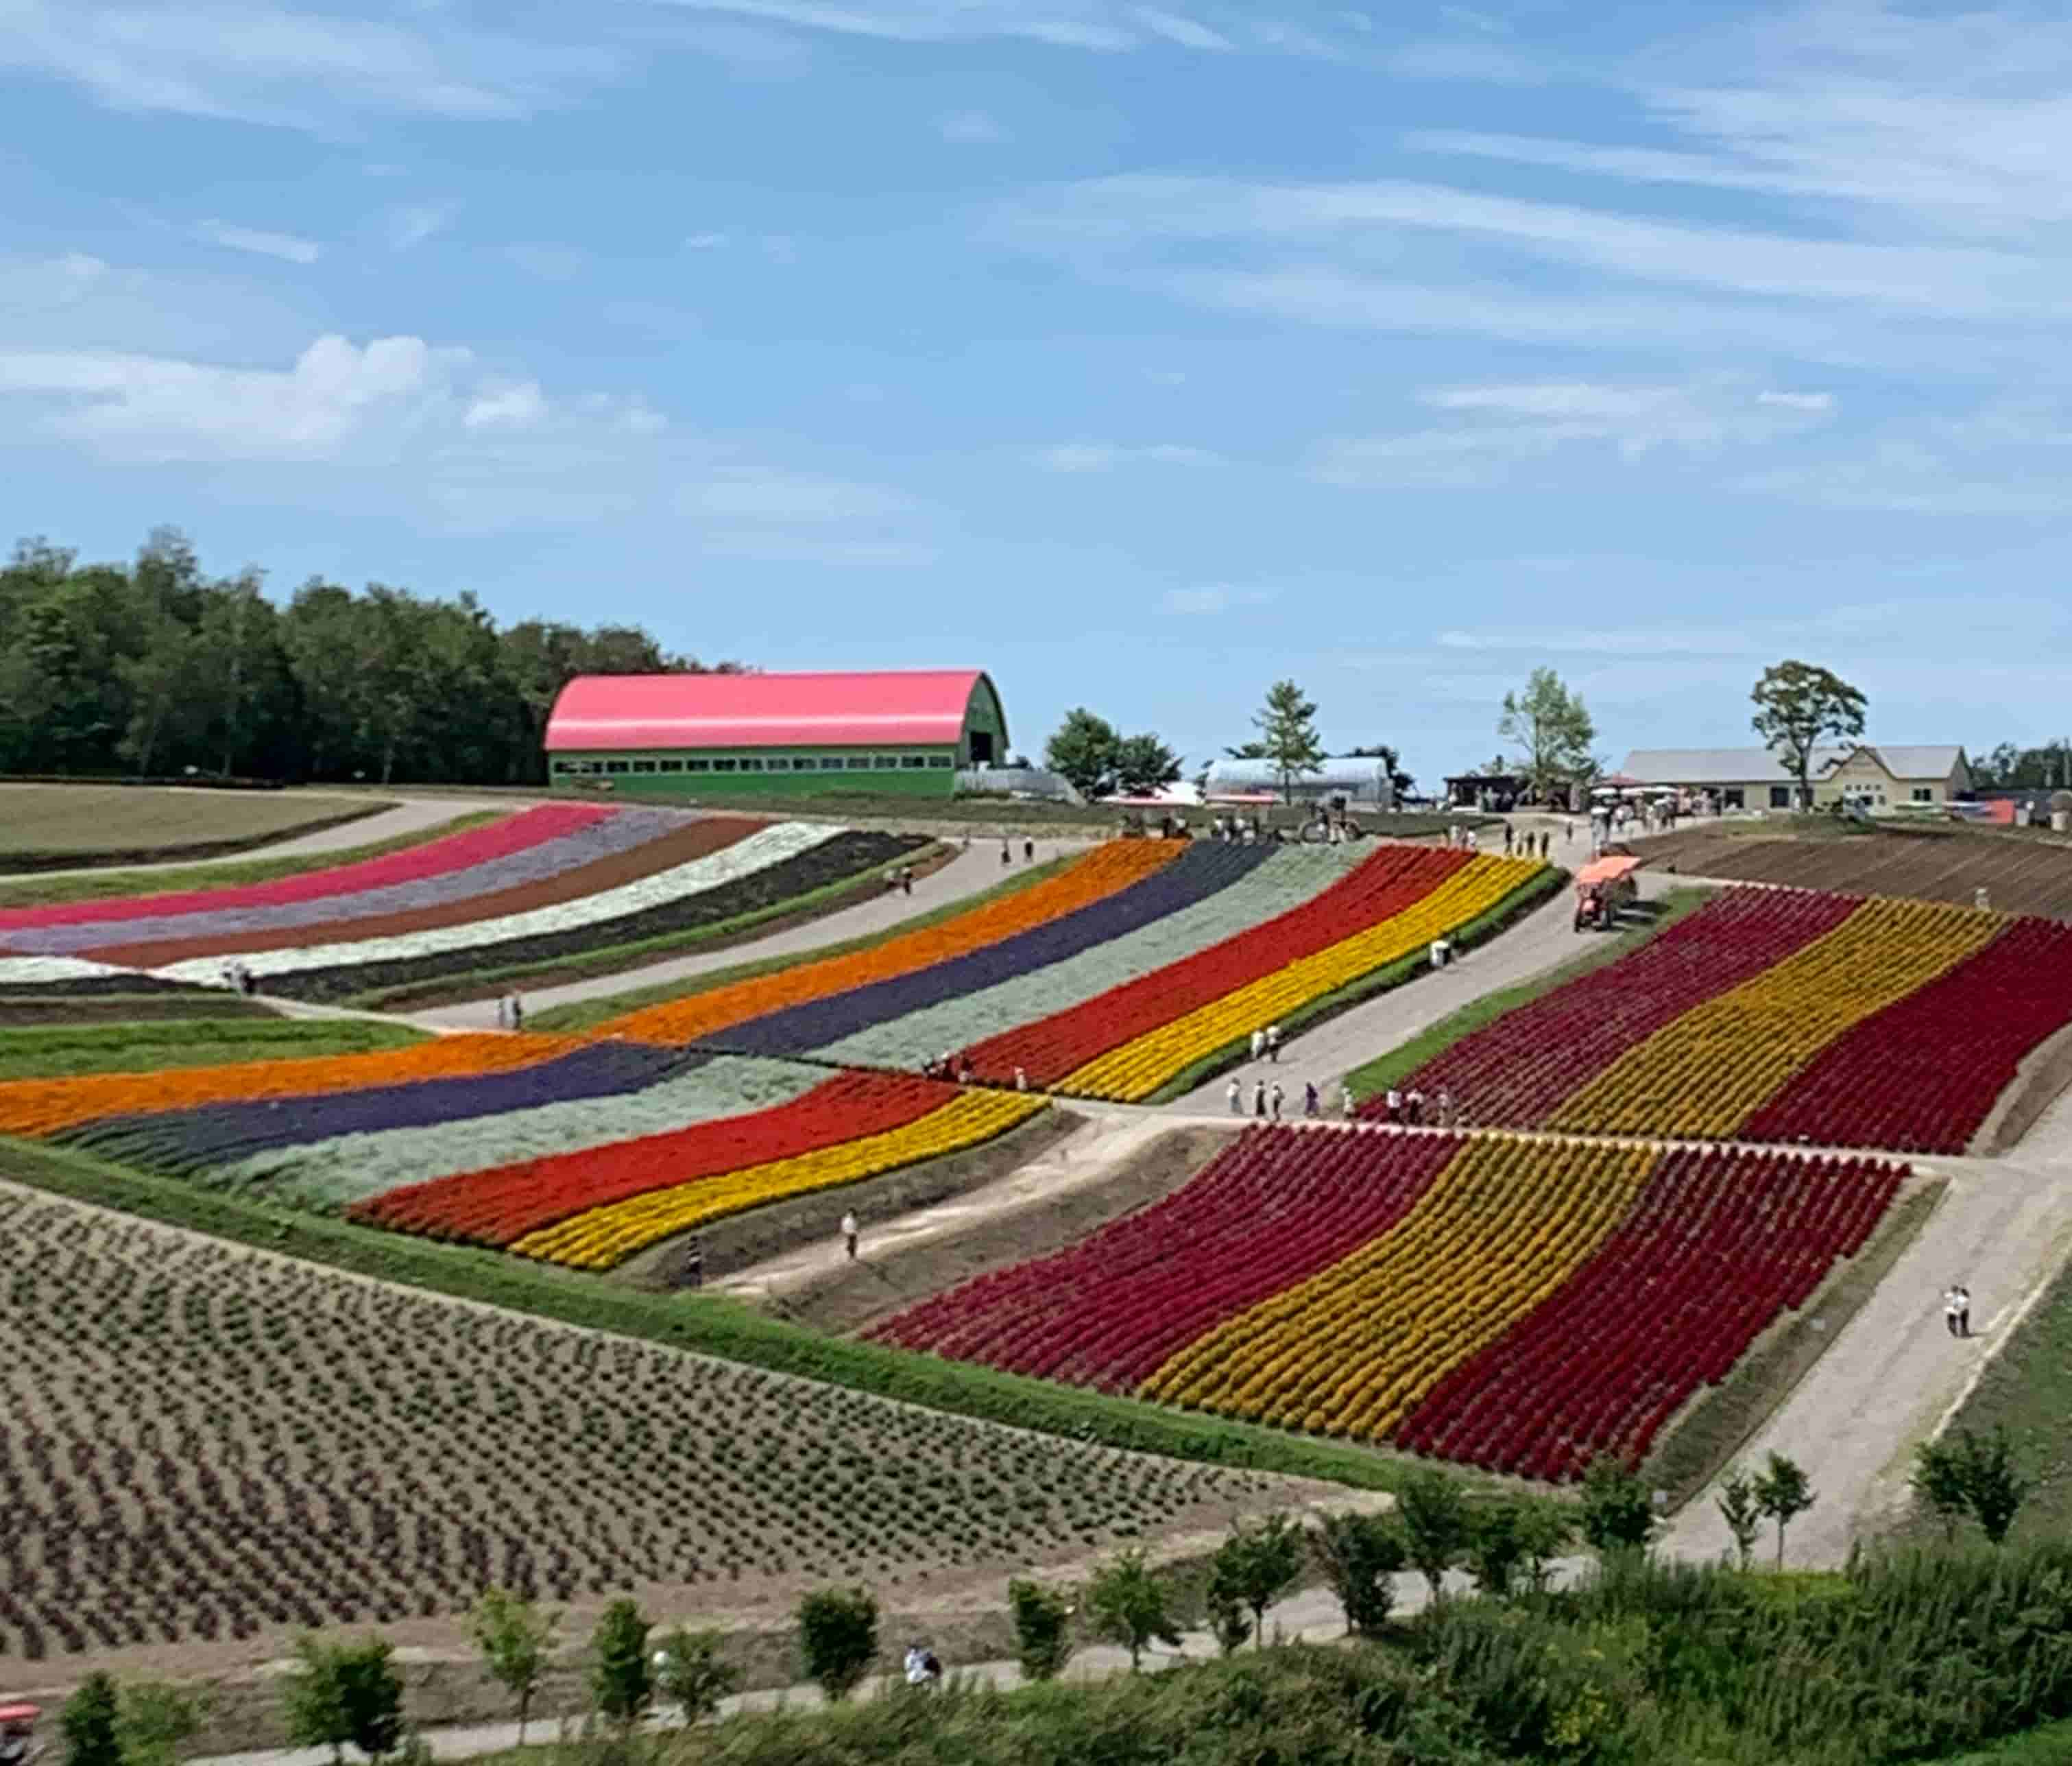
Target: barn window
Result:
[[669, 766], [859, 763], [725, 766], [913, 762], [885, 762], [697, 766], [644, 766], [942, 760], [614, 765], [751, 762]]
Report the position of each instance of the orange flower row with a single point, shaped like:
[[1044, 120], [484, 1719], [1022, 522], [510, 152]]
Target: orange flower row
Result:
[[1104, 871], [45, 1106]]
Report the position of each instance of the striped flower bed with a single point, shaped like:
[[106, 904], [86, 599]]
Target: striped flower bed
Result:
[[1255, 893], [455, 852], [621, 831], [1520, 1306], [1789, 1014]]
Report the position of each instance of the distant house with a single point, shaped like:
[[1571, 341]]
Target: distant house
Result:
[[1357, 778], [1879, 776]]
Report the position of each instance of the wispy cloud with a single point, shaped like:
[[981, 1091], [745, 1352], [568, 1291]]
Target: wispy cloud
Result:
[[704, 241], [411, 223], [970, 127], [1106, 456], [550, 263], [288, 246], [1175, 28], [264, 62], [1211, 599]]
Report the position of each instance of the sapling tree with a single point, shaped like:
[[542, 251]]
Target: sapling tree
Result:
[[1042, 1628], [621, 1679], [153, 1717], [342, 1693], [1742, 1514], [1496, 1548], [689, 1672], [1357, 1554], [1618, 1515], [89, 1724], [838, 1638], [1545, 1530], [1938, 1483], [516, 1639], [1126, 1605], [1257, 1565], [1433, 1511], [1783, 1493], [1994, 1487]]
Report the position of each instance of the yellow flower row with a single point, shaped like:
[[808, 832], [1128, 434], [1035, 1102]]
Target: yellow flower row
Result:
[[607, 1235], [1709, 1070], [1355, 1347], [1139, 1067]]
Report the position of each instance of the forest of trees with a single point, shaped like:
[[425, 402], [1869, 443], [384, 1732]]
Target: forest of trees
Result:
[[154, 670]]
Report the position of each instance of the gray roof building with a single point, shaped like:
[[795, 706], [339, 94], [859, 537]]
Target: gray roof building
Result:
[[1763, 766]]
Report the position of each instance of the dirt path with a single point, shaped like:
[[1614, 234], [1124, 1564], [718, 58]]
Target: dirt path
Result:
[[1545, 938], [966, 874]]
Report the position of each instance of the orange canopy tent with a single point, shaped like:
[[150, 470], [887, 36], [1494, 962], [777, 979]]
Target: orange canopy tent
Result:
[[1614, 869]]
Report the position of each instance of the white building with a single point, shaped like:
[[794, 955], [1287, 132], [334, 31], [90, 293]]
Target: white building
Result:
[[1359, 778], [1880, 777]]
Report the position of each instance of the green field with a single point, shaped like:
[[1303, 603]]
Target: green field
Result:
[[64, 1052], [45, 826]]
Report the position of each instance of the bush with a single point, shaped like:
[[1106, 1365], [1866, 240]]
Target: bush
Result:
[[516, 1639], [88, 1724], [622, 1680], [1253, 1568], [689, 1669], [341, 1693], [153, 1718], [1357, 1554], [1043, 1629], [838, 1638], [1126, 1606]]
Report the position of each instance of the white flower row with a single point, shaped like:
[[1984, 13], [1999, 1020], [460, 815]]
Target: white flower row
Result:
[[40, 971], [765, 847]]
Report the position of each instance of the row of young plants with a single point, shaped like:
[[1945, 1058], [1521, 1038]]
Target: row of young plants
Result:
[[1786, 1015], [1521, 1306]]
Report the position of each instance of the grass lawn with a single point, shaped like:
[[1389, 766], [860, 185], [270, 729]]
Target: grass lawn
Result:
[[569, 1019], [1379, 1074], [64, 1050], [49, 826], [102, 885]]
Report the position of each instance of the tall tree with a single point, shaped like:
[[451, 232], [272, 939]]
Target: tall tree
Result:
[[1799, 706], [1287, 725], [1553, 728], [1143, 766], [1082, 751]]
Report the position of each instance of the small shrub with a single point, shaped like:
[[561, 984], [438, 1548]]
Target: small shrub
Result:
[[691, 1675], [838, 1638], [1434, 1513], [1127, 1607], [89, 1724], [1254, 1567], [1357, 1554], [1043, 1629], [1618, 1514], [153, 1718], [1782, 1492], [341, 1693], [1740, 1511], [622, 1680], [516, 1639]]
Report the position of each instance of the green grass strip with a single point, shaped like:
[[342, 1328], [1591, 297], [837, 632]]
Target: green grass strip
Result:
[[1480, 930], [104, 884], [1379, 1074], [706, 1324], [610, 959], [64, 1052], [588, 1013]]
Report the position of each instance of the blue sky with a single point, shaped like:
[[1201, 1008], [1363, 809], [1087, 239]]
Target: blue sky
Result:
[[1140, 354]]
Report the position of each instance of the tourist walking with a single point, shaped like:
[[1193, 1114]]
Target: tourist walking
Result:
[[1273, 1042], [1443, 1109], [1510, 834], [1236, 1093], [1277, 1094], [1963, 1311], [1394, 1103], [504, 1011], [1258, 1044], [1259, 1099], [1022, 1079], [1546, 841], [850, 1233], [1413, 1107], [1311, 1103], [1345, 1102], [1029, 852], [1953, 1309], [906, 879], [517, 1012]]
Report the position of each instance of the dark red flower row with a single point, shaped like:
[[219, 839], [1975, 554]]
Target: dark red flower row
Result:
[[1275, 1206], [1717, 1245], [1923, 1074], [1515, 1072], [1393, 880]]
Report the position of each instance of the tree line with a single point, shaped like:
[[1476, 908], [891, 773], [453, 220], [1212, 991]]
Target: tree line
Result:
[[154, 669]]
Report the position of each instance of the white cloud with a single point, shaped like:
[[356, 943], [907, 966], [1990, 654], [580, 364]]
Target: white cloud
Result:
[[1213, 598], [1799, 402], [1105, 456], [704, 241], [550, 263], [519, 405], [264, 62], [266, 245], [1174, 28], [970, 127], [411, 223]]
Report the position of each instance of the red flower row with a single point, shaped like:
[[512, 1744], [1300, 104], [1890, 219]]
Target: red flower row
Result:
[[503, 1204], [1922, 1074], [1275, 1206], [1513, 1073], [434, 859], [1718, 1244], [1394, 879]]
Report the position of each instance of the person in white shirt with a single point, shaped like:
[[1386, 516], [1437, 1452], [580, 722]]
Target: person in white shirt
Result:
[[1258, 1044], [1273, 1042], [849, 1233], [1440, 951], [1236, 1093], [1395, 1102], [1345, 1102]]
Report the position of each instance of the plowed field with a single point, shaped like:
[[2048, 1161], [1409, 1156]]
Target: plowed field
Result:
[[2020, 874]]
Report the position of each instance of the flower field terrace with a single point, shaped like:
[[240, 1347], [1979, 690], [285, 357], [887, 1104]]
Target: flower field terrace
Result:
[[1779, 1015], [1512, 1303]]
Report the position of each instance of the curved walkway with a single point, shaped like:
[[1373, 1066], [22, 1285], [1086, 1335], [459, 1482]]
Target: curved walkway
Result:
[[971, 871]]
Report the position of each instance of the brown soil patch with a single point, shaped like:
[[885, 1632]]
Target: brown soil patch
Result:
[[2020, 874], [694, 839], [860, 1294], [763, 1233]]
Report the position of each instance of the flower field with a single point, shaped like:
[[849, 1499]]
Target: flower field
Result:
[[215, 1445], [1109, 976], [1513, 1304], [1780, 1014]]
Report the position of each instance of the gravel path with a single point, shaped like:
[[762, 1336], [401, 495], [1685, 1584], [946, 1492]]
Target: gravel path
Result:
[[1545, 938], [966, 874]]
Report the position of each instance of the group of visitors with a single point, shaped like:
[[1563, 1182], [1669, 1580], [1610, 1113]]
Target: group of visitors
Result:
[[1522, 842], [1007, 854], [1266, 1043], [510, 1012], [902, 880], [238, 977], [1408, 1108], [1957, 1310], [957, 1067], [1268, 1101]]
